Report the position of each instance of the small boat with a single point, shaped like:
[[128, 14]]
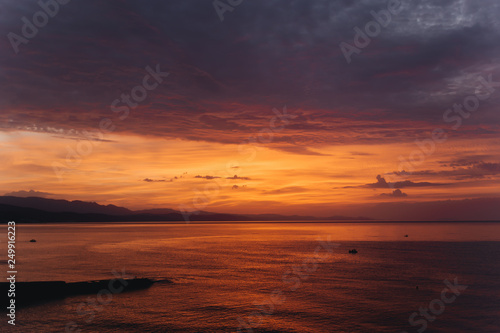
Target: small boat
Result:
[[353, 251], [33, 241], [406, 235]]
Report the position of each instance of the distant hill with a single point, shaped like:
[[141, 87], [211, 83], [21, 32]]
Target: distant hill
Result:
[[41, 210], [33, 215], [52, 205]]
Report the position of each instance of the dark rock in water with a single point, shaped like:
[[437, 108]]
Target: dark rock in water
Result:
[[91, 287], [32, 292], [29, 293], [353, 251]]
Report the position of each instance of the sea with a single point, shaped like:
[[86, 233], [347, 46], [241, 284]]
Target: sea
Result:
[[264, 276]]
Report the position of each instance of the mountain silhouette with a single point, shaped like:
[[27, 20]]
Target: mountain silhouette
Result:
[[52, 205], [43, 210]]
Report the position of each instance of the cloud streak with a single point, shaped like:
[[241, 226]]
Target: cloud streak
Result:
[[382, 183]]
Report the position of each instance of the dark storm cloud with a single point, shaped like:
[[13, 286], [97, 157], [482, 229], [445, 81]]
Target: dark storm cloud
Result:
[[220, 123], [225, 77]]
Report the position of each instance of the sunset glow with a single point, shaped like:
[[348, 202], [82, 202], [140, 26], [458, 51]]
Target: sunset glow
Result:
[[247, 126]]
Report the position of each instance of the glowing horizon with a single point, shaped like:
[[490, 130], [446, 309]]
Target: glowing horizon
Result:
[[132, 118]]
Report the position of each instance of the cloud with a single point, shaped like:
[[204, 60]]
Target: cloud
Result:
[[464, 168], [206, 177], [408, 183], [27, 194], [221, 123], [473, 169], [149, 180], [382, 183], [237, 177], [395, 194], [420, 63]]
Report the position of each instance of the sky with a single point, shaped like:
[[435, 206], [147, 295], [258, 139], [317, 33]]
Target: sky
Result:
[[385, 109]]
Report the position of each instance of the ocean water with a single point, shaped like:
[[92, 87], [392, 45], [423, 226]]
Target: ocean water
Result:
[[266, 277]]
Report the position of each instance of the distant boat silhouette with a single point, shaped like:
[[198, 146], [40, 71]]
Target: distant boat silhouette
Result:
[[353, 251], [33, 241], [406, 235]]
